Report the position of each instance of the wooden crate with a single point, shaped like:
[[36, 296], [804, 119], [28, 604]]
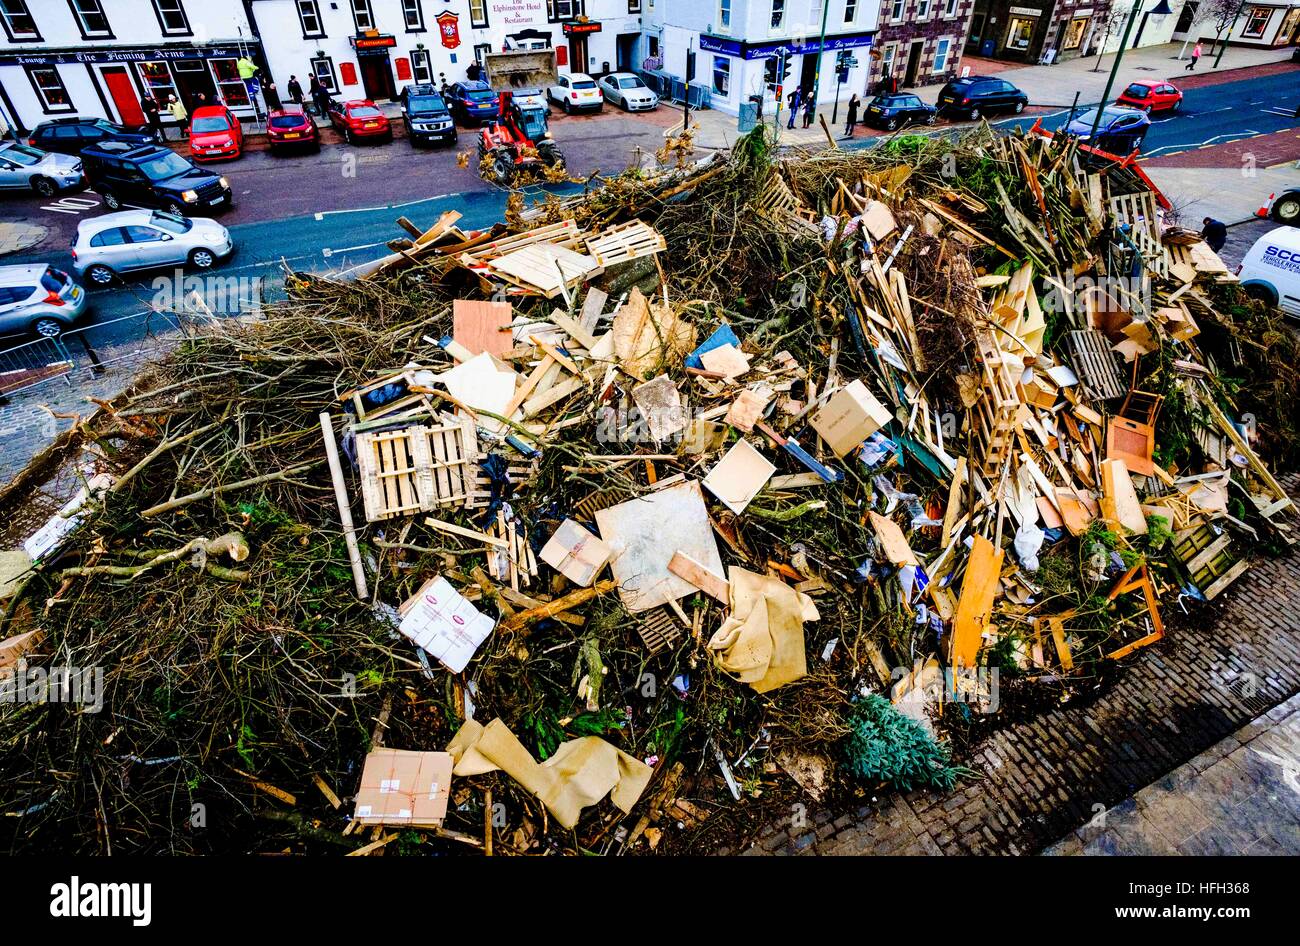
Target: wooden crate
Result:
[[1210, 558], [1095, 364]]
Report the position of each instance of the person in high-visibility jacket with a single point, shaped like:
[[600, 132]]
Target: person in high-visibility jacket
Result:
[[247, 68]]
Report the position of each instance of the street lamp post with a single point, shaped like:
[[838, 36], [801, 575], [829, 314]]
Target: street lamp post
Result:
[[821, 47], [1160, 9], [1224, 45]]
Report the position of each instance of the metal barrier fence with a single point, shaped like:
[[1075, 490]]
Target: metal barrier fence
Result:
[[33, 363]]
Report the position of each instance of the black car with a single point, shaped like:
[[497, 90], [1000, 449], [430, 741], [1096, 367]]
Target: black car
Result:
[[980, 95], [153, 176], [70, 135], [898, 111], [426, 116]]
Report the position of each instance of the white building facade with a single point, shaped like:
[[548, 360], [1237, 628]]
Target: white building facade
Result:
[[742, 47], [101, 57], [372, 48], [1255, 24]]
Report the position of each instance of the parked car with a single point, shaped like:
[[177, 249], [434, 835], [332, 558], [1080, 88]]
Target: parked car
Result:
[[38, 299], [628, 92], [426, 116], [974, 96], [1151, 95], [290, 127], [1285, 207], [358, 119], [898, 111], [30, 169], [1119, 131], [107, 246], [215, 133], [70, 135], [1270, 270], [153, 176], [473, 102], [576, 92]]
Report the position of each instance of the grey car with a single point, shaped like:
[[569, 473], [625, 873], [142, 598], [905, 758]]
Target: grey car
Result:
[[39, 299], [628, 92], [108, 246], [26, 168]]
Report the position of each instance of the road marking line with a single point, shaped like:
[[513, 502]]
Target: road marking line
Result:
[[321, 215], [328, 252]]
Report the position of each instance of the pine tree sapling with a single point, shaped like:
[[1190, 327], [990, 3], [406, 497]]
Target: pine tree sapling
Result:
[[885, 746]]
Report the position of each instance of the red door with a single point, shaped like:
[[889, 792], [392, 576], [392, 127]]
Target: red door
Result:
[[123, 93]]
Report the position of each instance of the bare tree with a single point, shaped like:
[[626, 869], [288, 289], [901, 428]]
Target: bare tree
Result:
[[1221, 14], [1108, 24]]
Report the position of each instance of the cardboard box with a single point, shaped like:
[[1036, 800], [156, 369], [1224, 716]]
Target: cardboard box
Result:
[[739, 476], [576, 554], [850, 417], [441, 621], [12, 649], [400, 787]]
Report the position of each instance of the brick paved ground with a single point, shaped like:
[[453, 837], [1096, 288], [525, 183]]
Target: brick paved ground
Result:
[[1040, 780], [1240, 796]]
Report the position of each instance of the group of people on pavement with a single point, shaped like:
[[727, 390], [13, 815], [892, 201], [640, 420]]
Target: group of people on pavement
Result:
[[319, 95], [803, 98], [153, 112]]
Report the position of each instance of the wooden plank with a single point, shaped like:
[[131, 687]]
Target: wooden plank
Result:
[[575, 330], [975, 606], [688, 569], [954, 502], [453, 529], [554, 395]]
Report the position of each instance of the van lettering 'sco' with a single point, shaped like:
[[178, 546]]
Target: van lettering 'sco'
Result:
[[1283, 259]]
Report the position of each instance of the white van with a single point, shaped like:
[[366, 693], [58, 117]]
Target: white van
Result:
[[1271, 269]]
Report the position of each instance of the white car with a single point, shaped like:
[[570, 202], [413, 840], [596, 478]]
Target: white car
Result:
[[39, 299], [1270, 270], [576, 92], [26, 168], [628, 92], [113, 244]]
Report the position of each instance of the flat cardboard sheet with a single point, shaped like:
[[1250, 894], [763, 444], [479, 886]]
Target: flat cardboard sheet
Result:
[[726, 360], [482, 326], [580, 773], [481, 384], [400, 787], [739, 476], [746, 409], [761, 642], [441, 621], [576, 554], [645, 532]]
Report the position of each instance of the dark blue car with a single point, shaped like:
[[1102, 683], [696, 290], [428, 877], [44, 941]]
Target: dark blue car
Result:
[[472, 102], [1119, 131], [70, 135]]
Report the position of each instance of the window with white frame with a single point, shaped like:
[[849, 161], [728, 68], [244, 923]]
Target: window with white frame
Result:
[[362, 15], [309, 18], [156, 77], [421, 68], [724, 15], [922, 9], [557, 10], [18, 21], [172, 18], [91, 19], [896, 10], [49, 89], [633, 6], [941, 51], [950, 8], [478, 18], [887, 60], [778, 13], [722, 76], [413, 16], [850, 10], [1256, 19], [233, 91]]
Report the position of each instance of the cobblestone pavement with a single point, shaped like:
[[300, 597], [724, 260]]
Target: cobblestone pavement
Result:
[[1241, 796], [1040, 780]]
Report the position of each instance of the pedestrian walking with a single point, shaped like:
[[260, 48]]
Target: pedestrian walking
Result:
[[1215, 233], [809, 108], [851, 116], [793, 100], [1196, 57], [295, 90], [150, 107], [179, 115], [320, 95]]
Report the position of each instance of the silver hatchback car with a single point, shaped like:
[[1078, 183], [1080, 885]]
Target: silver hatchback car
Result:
[[38, 299], [108, 246]]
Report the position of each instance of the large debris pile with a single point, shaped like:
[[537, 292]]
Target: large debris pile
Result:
[[578, 533]]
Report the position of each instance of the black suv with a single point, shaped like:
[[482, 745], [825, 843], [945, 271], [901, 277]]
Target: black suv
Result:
[[70, 135], [152, 176], [425, 115], [979, 95]]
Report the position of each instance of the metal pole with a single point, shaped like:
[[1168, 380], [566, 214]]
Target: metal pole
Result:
[[1224, 45], [821, 45], [1114, 70], [839, 84], [780, 89], [1073, 105]]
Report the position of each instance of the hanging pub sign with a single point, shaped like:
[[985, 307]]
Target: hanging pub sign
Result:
[[376, 41], [580, 26], [449, 28]]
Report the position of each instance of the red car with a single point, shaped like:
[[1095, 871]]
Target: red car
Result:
[[215, 133], [1151, 95], [291, 127], [360, 119]]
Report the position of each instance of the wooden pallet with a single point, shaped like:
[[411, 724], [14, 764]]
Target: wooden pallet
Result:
[[620, 244], [1139, 212], [1209, 557], [519, 471], [778, 203], [544, 269], [1095, 364], [416, 468], [566, 233], [995, 412], [515, 563], [659, 629], [585, 509]]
